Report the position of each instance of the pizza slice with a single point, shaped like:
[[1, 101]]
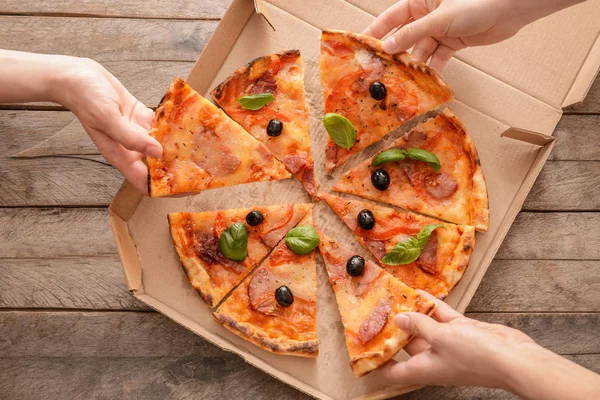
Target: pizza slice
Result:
[[368, 299], [442, 259], [197, 236], [276, 112], [372, 91], [203, 148], [275, 307], [434, 169]]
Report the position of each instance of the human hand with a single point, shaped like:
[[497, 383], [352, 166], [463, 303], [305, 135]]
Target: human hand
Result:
[[450, 349], [439, 28], [115, 120]]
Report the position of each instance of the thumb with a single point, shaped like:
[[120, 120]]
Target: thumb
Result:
[[409, 34], [416, 324]]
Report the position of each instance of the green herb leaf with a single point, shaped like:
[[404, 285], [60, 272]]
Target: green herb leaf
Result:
[[424, 155], [233, 242], [388, 156], [255, 101], [302, 239], [409, 250], [340, 130]]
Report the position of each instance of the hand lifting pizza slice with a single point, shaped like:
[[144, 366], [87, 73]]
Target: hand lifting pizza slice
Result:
[[275, 307], [434, 169], [376, 92], [197, 240], [275, 111], [441, 258], [203, 148], [368, 300]]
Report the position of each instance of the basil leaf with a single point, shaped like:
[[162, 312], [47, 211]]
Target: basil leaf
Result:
[[255, 101], [424, 155], [302, 239], [404, 252], [388, 156], [409, 250], [340, 130], [233, 242], [425, 233]]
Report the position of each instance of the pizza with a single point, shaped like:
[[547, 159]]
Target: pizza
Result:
[[375, 91], [443, 259], [203, 148], [456, 193], [368, 300], [275, 307], [196, 239], [282, 124]]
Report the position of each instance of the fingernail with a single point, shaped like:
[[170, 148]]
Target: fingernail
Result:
[[153, 151], [401, 321], [390, 45]]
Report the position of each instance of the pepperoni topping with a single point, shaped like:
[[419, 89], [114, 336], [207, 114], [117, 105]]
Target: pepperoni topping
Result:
[[370, 273], [440, 186], [338, 49], [375, 321], [207, 249], [415, 138], [294, 163], [308, 179], [265, 84], [376, 247], [428, 258], [213, 156], [273, 235], [261, 292]]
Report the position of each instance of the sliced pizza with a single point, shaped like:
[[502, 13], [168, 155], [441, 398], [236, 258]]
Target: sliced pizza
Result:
[[375, 91], [266, 97], [434, 169], [275, 307], [197, 236], [442, 257], [203, 148], [368, 299]]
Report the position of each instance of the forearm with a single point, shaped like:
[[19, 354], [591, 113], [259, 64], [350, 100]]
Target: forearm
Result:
[[28, 77], [537, 373]]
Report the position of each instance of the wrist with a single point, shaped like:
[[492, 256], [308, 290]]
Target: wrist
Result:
[[65, 78]]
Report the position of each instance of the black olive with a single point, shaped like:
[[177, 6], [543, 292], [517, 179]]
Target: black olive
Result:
[[274, 128], [366, 219], [254, 218], [355, 266], [380, 179], [378, 90], [284, 296]]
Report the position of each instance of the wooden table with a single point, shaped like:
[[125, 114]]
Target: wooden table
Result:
[[70, 329]]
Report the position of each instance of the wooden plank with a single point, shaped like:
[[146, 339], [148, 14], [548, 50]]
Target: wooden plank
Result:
[[52, 181], [78, 282], [591, 103], [577, 137], [590, 361], [55, 232], [538, 286], [566, 185], [107, 39], [553, 236], [183, 9]]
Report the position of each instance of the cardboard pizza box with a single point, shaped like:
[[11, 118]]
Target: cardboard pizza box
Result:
[[508, 95]]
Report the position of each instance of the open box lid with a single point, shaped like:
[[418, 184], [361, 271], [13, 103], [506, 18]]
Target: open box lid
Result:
[[554, 60]]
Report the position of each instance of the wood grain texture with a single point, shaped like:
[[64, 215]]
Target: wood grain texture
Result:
[[184, 9], [107, 39], [54, 232], [539, 286], [577, 137], [553, 236], [591, 103], [68, 283]]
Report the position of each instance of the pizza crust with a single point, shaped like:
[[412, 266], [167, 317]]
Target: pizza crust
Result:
[[284, 346]]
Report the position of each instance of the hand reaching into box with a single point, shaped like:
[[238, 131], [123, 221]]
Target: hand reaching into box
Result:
[[450, 349], [439, 28]]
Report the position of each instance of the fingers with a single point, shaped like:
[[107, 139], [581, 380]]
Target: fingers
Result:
[[416, 346], [133, 136], [409, 34], [443, 312], [394, 16], [417, 324], [417, 370], [424, 48], [440, 57]]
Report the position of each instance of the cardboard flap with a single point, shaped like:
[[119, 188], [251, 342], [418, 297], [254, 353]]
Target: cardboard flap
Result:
[[261, 8], [527, 136]]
